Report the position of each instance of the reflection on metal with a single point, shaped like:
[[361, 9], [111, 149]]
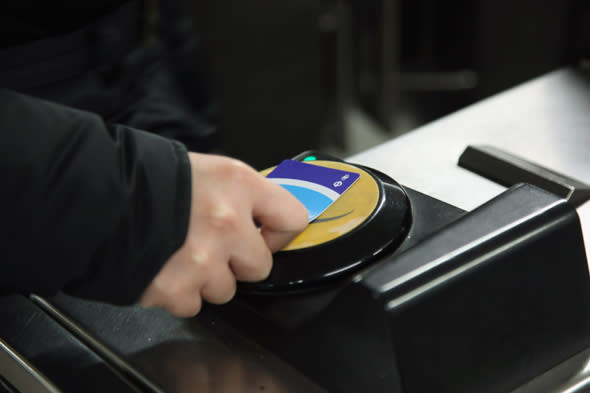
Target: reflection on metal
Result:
[[22, 375], [577, 386], [119, 366], [581, 382], [571, 376]]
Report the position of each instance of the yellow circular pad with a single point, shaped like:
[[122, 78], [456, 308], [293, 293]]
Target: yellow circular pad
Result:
[[348, 212]]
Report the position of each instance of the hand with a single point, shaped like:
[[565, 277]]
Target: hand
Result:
[[224, 242]]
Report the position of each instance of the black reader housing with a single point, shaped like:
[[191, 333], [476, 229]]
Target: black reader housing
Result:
[[469, 301]]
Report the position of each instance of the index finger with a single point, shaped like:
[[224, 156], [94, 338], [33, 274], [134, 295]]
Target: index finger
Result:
[[281, 215]]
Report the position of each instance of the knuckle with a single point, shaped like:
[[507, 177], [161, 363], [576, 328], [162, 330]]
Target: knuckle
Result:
[[201, 261], [184, 309], [229, 292], [231, 167], [175, 309], [239, 173], [237, 165], [174, 291], [168, 288], [257, 269], [221, 293], [223, 217]]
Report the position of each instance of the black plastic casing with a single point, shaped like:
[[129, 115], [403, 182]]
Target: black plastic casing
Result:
[[491, 300]]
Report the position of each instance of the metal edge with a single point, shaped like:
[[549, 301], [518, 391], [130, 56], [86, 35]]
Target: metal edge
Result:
[[132, 377], [21, 374]]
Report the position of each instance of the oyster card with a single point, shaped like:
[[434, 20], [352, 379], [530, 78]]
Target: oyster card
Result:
[[315, 186]]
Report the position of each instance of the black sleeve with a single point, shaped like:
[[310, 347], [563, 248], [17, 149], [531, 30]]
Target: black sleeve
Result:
[[88, 208]]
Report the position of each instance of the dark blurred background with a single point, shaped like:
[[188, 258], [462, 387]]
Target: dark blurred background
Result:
[[342, 76]]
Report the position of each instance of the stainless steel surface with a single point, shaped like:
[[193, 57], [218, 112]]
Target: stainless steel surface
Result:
[[21, 374], [572, 376], [546, 121]]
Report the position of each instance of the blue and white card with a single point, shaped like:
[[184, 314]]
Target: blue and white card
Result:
[[315, 186]]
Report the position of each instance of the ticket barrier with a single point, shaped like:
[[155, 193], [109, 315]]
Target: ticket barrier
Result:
[[423, 297], [391, 290]]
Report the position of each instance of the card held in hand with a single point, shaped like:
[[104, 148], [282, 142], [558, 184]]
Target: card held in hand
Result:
[[315, 186]]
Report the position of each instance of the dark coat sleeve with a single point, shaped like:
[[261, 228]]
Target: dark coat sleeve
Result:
[[88, 208]]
